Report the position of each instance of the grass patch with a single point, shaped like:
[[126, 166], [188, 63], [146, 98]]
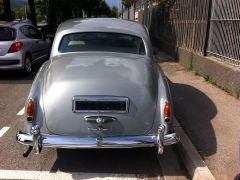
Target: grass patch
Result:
[[190, 67], [196, 73], [210, 79]]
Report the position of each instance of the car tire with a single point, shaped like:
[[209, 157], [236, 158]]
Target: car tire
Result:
[[49, 53], [27, 65]]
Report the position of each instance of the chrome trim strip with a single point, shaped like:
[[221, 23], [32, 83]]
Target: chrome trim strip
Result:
[[106, 142], [100, 98], [160, 139], [36, 137]]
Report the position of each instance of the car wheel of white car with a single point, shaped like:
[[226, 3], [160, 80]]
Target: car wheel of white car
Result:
[[27, 65]]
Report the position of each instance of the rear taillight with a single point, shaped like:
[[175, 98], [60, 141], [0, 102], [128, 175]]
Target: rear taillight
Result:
[[30, 110], [15, 47], [167, 111]]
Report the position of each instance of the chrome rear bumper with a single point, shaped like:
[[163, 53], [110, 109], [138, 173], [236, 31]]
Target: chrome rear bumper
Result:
[[38, 140]]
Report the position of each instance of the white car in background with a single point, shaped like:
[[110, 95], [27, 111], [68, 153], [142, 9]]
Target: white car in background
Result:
[[21, 46]]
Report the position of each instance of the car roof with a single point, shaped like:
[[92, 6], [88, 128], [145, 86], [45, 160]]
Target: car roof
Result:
[[104, 24], [13, 23], [4, 23], [111, 25]]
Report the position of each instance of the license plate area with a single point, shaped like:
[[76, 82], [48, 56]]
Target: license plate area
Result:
[[100, 104]]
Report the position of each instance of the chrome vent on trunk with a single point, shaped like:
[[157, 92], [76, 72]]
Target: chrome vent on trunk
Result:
[[100, 104]]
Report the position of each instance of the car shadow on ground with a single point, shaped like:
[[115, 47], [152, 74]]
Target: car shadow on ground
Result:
[[141, 162], [194, 110], [17, 76]]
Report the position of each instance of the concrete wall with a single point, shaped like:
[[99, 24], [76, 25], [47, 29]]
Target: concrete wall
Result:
[[223, 75], [131, 13]]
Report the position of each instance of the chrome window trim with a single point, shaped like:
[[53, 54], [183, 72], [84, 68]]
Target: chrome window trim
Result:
[[100, 98], [120, 33]]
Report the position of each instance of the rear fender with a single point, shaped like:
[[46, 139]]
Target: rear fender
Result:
[[163, 96], [36, 95]]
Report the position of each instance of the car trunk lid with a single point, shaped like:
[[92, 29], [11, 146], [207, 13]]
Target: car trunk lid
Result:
[[121, 88]]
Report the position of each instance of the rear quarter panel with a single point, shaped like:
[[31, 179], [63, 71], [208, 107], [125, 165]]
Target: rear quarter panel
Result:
[[36, 95]]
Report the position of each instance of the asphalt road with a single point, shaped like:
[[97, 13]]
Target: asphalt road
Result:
[[70, 164]]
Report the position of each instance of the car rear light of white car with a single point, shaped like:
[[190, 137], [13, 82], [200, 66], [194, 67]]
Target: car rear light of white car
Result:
[[30, 110], [167, 111], [15, 47]]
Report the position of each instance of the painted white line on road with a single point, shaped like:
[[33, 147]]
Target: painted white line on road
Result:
[[42, 175], [3, 131], [21, 112]]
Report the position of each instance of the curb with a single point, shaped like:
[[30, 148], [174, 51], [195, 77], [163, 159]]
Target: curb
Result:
[[194, 164]]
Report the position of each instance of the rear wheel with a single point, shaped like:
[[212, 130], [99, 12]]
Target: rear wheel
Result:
[[27, 65]]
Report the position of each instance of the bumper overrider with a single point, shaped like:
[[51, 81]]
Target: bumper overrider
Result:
[[38, 140]]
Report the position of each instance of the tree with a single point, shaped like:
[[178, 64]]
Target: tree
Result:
[[41, 10], [52, 16], [61, 10], [33, 12], [166, 3], [96, 8], [1, 8], [66, 11], [102, 9], [114, 12], [7, 10], [19, 13]]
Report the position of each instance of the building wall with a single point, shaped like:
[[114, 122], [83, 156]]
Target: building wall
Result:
[[131, 13]]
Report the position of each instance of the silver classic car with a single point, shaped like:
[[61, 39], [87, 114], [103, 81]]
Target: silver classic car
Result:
[[101, 88]]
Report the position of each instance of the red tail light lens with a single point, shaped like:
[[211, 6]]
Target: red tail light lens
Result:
[[30, 110], [167, 111], [15, 47]]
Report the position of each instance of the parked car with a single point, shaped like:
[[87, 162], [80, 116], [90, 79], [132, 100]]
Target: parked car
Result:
[[100, 89], [21, 46]]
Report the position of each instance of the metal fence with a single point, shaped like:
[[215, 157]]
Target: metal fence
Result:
[[224, 32], [205, 27], [189, 20]]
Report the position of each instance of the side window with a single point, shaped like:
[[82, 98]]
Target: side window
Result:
[[24, 30], [31, 32], [142, 50]]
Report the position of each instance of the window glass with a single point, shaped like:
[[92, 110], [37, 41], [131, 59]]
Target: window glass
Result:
[[31, 32], [102, 41], [7, 34]]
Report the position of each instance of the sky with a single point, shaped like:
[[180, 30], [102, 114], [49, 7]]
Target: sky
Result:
[[17, 3], [113, 2]]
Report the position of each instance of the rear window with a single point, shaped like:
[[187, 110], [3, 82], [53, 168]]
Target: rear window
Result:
[[102, 41], [7, 34]]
